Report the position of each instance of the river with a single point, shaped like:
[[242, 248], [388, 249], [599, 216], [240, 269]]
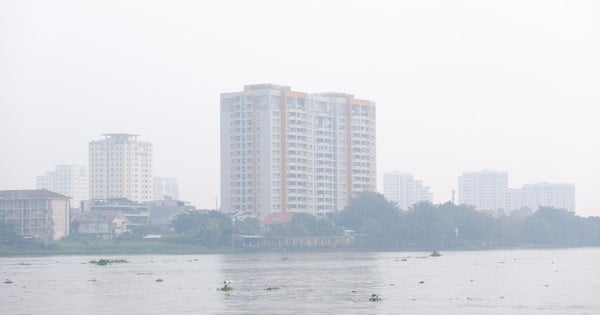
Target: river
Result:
[[558, 281]]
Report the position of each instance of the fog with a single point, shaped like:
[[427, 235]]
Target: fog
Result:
[[460, 86]]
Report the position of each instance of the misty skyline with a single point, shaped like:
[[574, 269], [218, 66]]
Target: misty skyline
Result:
[[508, 86]]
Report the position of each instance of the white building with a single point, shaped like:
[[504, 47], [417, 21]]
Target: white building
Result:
[[120, 167], [165, 187], [404, 190], [283, 150], [485, 190], [534, 196], [68, 180]]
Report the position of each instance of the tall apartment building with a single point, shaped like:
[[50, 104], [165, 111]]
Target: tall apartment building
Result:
[[68, 180], [534, 196], [485, 190], [165, 187], [40, 213], [120, 167], [402, 189], [284, 150]]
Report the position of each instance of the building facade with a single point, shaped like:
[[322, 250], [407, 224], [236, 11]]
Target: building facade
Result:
[[165, 188], [120, 167], [68, 180], [534, 196], [283, 150], [36, 213], [484, 190], [137, 214], [402, 189]]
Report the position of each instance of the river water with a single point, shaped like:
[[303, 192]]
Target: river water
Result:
[[562, 281]]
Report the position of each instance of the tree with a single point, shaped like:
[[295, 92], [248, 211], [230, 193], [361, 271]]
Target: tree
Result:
[[372, 214], [210, 229]]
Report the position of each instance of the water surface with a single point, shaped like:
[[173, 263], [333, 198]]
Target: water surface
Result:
[[565, 281]]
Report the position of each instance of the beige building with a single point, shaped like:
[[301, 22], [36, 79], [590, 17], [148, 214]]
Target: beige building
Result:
[[285, 150], [36, 213], [120, 167]]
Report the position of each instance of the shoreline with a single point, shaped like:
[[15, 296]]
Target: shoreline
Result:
[[134, 248]]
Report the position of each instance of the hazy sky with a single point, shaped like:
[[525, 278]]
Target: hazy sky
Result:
[[459, 85]]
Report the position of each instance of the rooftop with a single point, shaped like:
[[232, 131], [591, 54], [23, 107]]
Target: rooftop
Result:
[[31, 194]]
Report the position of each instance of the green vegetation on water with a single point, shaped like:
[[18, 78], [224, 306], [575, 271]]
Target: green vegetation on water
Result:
[[226, 286], [104, 262]]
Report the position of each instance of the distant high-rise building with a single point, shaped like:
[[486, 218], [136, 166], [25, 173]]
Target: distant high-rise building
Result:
[[485, 190], [40, 213], [166, 187], [283, 150], [68, 180], [404, 190], [534, 196], [120, 167]]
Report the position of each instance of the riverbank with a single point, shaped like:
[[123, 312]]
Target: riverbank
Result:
[[159, 247], [109, 247]]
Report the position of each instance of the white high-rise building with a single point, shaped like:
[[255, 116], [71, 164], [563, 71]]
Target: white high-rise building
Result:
[[68, 180], [485, 190], [166, 187], [402, 189], [534, 196], [120, 167], [283, 150]]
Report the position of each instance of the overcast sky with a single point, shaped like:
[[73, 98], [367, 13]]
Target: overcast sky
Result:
[[459, 85]]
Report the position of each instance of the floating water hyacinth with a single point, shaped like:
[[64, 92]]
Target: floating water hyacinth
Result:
[[272, 288], [104, 262], [375, 297], [435, 254], [226, 286]]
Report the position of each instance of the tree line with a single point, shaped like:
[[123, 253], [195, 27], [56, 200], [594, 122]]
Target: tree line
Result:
[[378, 224]]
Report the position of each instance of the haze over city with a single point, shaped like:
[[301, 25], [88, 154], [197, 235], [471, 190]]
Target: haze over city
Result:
[[459, 87]]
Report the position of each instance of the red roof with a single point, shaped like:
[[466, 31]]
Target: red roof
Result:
[[31, 194], [278, 218]]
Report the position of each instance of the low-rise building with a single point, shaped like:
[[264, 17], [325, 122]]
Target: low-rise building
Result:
[[136, 213], [36, 212], [101, 224]]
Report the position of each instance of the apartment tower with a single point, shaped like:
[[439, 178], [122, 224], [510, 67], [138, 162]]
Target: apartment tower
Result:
[[485, 190], [120, 167], [404, 190], [68, 180], [284, 150]]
